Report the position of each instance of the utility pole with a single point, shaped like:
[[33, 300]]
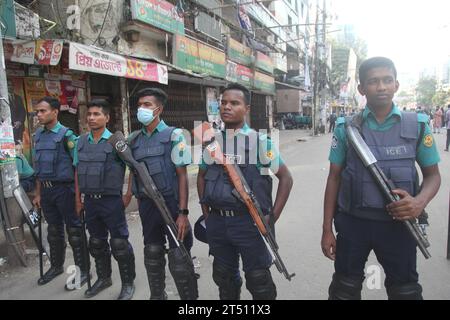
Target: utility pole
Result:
[[316, 74], [11, 217], [323, 68]]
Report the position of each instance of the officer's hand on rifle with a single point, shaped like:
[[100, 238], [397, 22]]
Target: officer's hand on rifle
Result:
[[329, 245], [37, 201], [183, 226], [127, 199], [407, 208]]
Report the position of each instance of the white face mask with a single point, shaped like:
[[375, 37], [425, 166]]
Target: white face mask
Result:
[[146, 116]]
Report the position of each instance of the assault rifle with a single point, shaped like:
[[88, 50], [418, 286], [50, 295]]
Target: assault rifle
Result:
[[118, 142], [384, 184], [242, 192]]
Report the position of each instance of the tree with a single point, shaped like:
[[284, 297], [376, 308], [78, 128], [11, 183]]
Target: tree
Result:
[[405, 99], [426, 89], [441, 98]]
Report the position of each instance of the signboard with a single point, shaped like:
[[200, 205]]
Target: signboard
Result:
[[8, 18], [239, 53], [263, 62], [147, 71], [239, 73], [89, 59], [158, 13], [198, 57], [23, 51], [84, 58], [48, 52], [264, 82]]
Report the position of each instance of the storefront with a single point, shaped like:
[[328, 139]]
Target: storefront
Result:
[[39, 68]]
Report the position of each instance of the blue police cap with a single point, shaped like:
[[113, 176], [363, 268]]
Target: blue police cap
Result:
[[200, 229]]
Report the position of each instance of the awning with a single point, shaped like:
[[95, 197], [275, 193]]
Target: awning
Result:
[[289, 86]]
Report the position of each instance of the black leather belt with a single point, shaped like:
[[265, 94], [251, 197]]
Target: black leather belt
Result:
[[228, 213], [51, 184]]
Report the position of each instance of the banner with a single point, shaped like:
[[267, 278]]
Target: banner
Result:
[[48, 52], [239, 73], [147, 71], [85, 58], [198, 57], [158, 13], [239, 53], [264, 82], [263, 62], [34, 91], [68, 99], [23, 51], [7, 146], [19, 115]]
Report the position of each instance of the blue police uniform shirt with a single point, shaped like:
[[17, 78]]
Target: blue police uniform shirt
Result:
[[427, 154], [181, 155], [268, 157], [23, 167]]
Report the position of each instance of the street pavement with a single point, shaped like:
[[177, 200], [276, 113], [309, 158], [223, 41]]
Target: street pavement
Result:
[[298, 234]]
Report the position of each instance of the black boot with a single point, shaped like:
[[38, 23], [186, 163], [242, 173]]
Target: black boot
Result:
[[260, 284], [80, 256], [57, 254], [124, 255], [155, 264], [102, 254], [228, 281], [183, 274]]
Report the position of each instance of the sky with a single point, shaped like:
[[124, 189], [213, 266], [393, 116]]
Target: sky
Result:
[[414, 34]]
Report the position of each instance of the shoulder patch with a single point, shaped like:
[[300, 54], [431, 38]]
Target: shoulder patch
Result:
[[70, 145], [181, 146], [428, 140], [270, 155]]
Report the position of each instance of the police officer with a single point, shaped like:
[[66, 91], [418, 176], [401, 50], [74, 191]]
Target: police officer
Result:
[[163, 150], [362, 220], [53, 153], [230, 229], [100, 177]]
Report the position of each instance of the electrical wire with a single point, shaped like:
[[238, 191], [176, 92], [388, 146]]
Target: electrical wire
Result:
[[104, 21]]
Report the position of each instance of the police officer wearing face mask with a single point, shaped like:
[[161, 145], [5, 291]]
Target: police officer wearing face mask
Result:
[[100, 177], [54, 147], [163, 150]]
